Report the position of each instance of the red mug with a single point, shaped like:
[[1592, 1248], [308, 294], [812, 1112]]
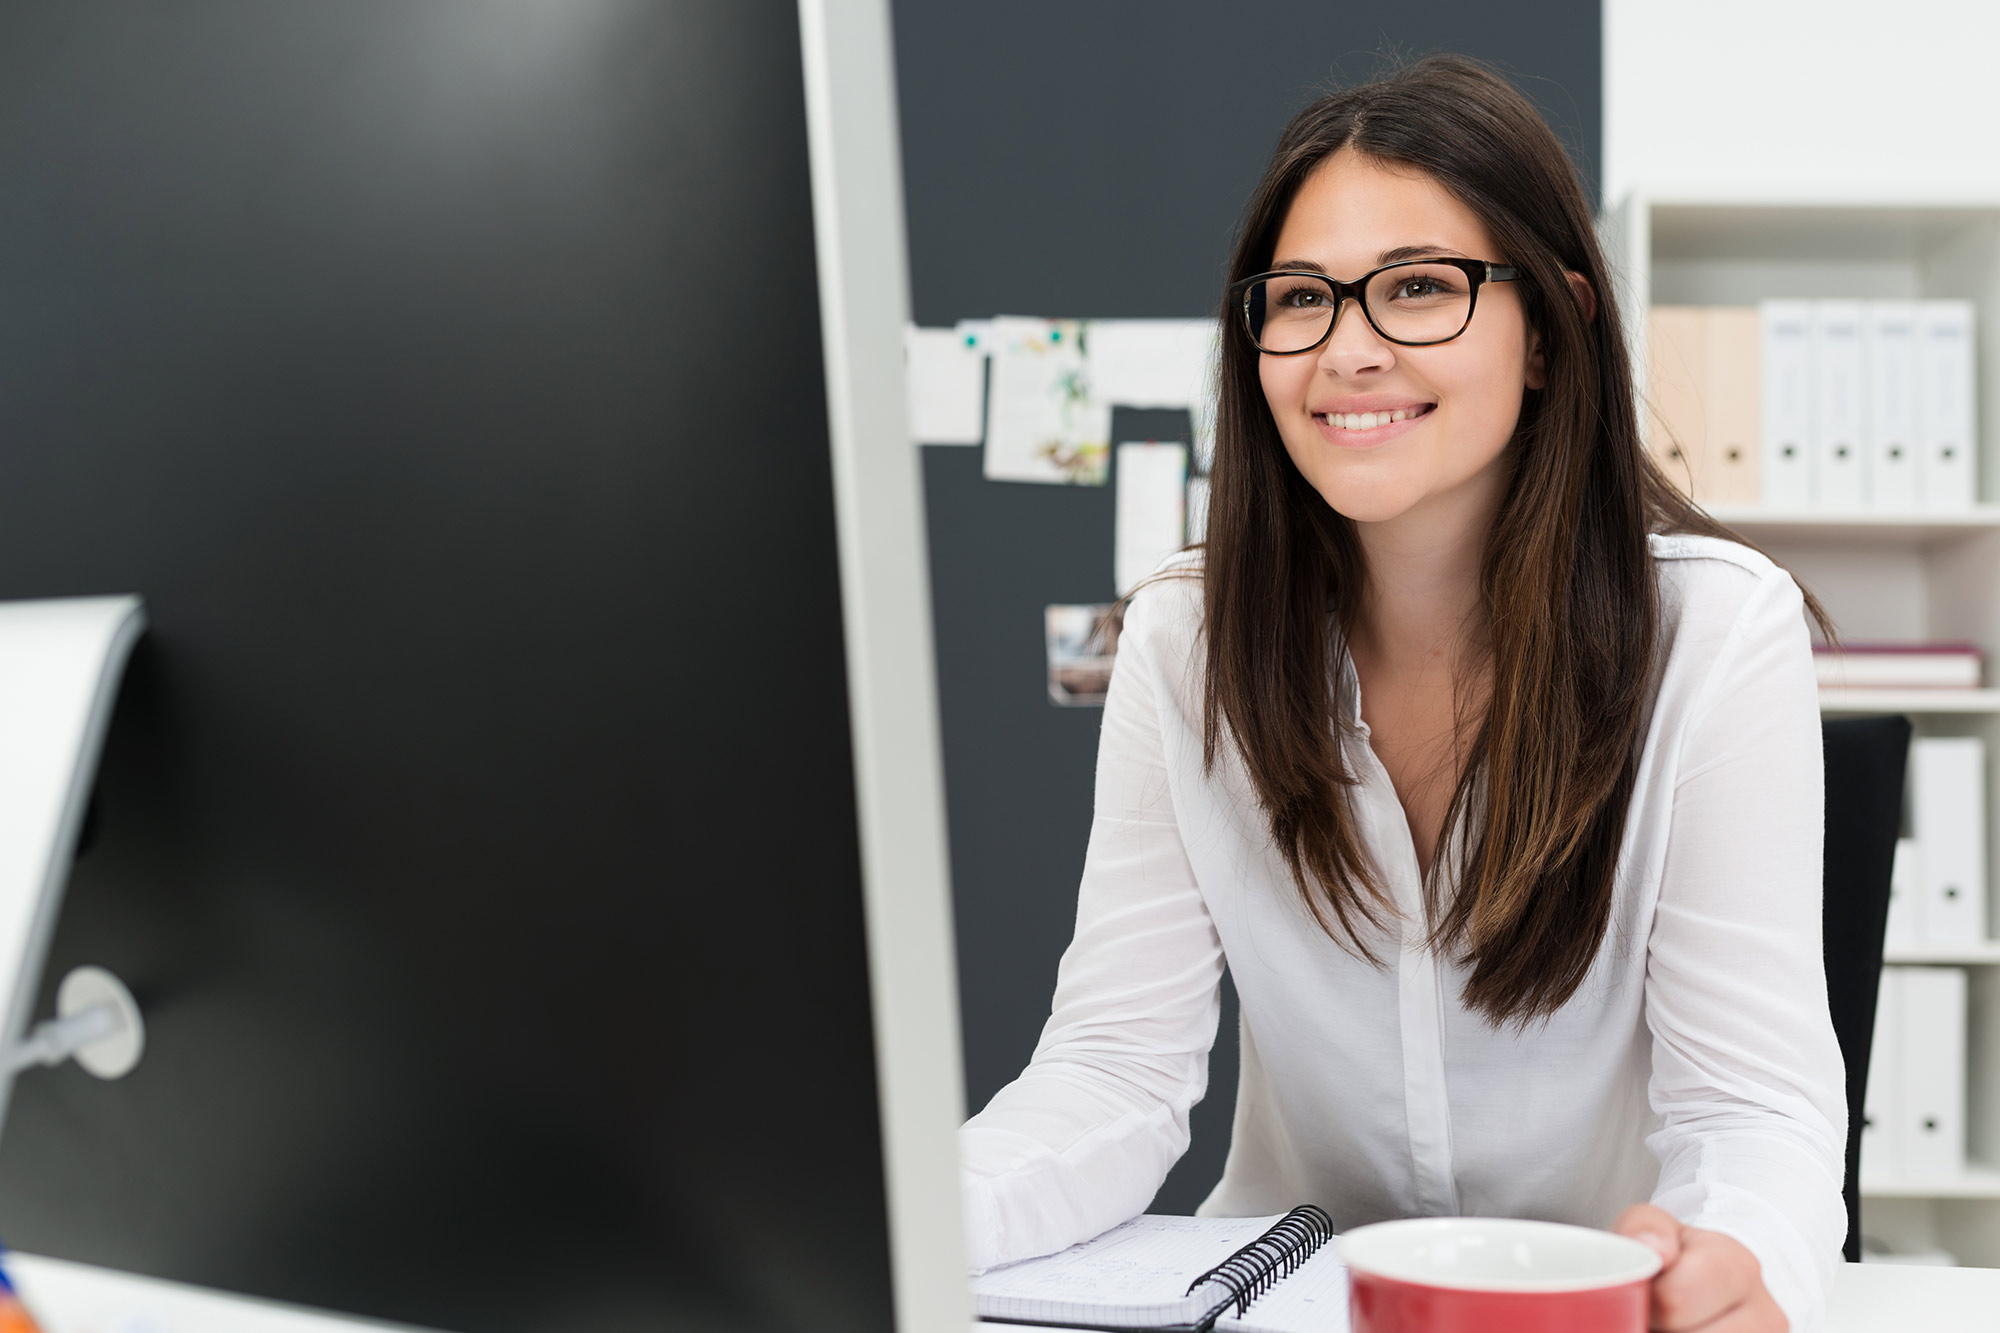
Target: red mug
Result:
[[1495, 1275]]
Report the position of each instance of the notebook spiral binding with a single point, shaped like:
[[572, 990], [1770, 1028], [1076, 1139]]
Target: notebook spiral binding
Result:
[[1252, 1270]]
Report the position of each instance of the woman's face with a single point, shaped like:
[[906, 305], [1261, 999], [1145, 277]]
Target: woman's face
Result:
[[1444, 464]]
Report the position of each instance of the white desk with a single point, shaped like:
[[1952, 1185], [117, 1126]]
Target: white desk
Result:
[[76, 1298], [1885, 1298], [1878, 1298]]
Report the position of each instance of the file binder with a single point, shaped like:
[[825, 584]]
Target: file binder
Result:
[[1889, 351], [1906, 896], [1729, 463], [1946, 402], [1787, 413], [1933, 1091], [1840, 476], [1676, 376], [1948, 812], [1882, 1100]]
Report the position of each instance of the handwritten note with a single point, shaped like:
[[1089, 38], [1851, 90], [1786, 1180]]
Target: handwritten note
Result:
[[1043, 422]]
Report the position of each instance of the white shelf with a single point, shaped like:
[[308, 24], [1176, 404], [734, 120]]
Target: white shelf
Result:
[[1985, 953], [1920, 527], [1975, 1182], [1908, 576], [1963, 702]]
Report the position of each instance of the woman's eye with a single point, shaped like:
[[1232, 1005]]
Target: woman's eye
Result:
[[1416, 288]]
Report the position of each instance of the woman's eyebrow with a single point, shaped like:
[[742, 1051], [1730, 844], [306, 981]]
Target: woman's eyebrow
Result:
[[1395, 256], [1403, 252]]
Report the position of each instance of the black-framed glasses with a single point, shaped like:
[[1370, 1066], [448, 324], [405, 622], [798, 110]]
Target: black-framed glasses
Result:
[[1416, 303]]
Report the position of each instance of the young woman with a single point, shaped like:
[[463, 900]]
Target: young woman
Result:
[[1488, 765]]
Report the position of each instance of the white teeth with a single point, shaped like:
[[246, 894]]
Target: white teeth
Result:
[[1368, 420]]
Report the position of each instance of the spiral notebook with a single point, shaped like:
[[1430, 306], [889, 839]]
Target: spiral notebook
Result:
[[1240, 1274]]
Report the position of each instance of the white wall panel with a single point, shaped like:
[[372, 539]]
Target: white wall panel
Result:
[[1838, 99]]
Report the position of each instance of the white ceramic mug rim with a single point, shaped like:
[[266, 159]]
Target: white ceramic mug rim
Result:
[[1361, 1250]]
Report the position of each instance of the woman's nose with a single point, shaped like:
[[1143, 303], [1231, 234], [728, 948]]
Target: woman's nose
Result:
[[1353, 346]]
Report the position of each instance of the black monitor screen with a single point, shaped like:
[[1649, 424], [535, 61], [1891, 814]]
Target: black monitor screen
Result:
[[476, 822]]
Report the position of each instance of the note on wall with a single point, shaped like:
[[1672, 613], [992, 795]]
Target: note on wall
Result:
[[1197, 509], [945, 379], [1152, 362], [1202, 416], [1043, 423], [1150, 519]]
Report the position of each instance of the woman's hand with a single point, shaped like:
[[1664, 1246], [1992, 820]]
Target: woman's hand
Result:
[[1710, 1283]]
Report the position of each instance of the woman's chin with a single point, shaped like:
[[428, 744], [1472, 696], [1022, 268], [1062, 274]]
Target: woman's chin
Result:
[[1368, 505]]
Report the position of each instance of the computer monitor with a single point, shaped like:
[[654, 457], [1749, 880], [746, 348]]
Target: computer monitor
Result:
[[496, 404]]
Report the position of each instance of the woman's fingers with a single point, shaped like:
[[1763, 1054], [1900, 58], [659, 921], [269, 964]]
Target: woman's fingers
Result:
[[1715, 1286], [1653, 1227], [1709, 1282]]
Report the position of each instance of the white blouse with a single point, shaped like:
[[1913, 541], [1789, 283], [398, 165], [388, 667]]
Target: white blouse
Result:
[[1696, 1066]]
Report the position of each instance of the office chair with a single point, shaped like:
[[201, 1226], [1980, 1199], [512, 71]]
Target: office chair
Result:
[[1864, 812]]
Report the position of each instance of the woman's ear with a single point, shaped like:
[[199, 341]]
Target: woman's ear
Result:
[[1586, 300]]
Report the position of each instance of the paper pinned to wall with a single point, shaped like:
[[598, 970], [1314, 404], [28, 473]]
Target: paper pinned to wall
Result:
[[1043, 423], [1152, 362], [1150, 521], [1202, 417], [1197, 509], [945, 378]]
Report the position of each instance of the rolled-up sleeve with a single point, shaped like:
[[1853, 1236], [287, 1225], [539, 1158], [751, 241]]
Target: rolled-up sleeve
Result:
[[1747, 1078], [1082, 1140]]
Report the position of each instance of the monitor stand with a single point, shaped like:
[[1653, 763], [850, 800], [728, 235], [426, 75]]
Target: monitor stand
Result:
[[60, 664]]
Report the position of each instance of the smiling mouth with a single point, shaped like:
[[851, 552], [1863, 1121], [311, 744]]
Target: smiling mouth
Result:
[[1371, 420]]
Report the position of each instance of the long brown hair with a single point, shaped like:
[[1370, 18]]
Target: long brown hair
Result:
[[1567, 577]]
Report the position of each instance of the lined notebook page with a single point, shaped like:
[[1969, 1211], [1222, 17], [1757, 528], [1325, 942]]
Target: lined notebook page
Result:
[[1312, 1299], [1136, 1274]]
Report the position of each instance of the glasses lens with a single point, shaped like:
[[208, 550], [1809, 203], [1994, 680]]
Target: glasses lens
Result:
[[1288, 313], [1420, 302]]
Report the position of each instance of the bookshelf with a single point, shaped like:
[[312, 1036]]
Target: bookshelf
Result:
[[1883, 575]]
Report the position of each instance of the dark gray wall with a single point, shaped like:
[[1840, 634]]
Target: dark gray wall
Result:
[[1090, 160], [477, 819]]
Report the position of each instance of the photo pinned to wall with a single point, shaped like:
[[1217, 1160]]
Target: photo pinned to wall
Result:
[[1043, 424], [1082, 643]]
